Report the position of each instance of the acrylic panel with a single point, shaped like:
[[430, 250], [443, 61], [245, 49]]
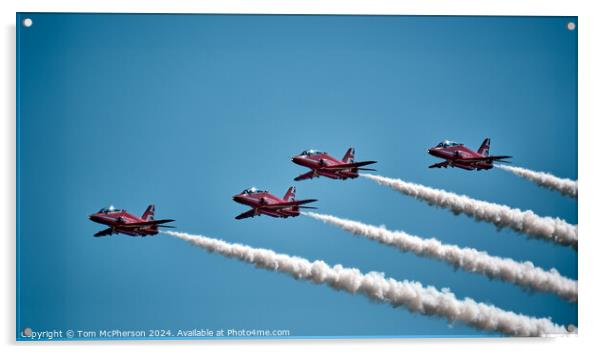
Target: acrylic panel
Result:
[[146, 140]]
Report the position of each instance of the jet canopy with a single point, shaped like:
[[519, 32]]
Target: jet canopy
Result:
[[109, 209], [252, 190], [447, 143], [311, 152]]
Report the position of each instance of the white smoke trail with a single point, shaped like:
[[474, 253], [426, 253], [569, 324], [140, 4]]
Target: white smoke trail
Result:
[[565, 186], [412, 295], [469, 259], [544, 227]]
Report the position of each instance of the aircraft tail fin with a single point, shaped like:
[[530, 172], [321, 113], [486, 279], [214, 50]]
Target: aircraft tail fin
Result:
[[349, 155], [484, 149], [149, 214], [290, 194]]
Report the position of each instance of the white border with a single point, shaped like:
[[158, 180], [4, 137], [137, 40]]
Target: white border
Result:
[[590, 61]]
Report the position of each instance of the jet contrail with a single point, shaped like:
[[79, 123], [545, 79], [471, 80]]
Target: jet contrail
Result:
[[544, 227], [412, 295], [565, 186], [469, 259]]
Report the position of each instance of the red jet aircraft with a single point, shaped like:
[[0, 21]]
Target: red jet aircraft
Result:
[[263, 202], [122, 222], [457, 155], [322, 164]]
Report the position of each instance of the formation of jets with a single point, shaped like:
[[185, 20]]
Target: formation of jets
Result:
[[320, 164]]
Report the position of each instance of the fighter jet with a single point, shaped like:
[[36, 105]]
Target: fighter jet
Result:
[[262, 202], [322, 164], [122, 222], [457, 155]]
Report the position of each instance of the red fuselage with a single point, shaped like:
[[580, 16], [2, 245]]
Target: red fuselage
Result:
[[462, 157], [317, 163], [322, 164], [260, 202], [118, 221], [122, 222]]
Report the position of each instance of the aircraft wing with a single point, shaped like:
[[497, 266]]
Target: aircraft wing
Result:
[[246, 214], [105, 232], [439, 164], [307, 175], [146, 223], [346, 166], [486, 158], [277, 206]]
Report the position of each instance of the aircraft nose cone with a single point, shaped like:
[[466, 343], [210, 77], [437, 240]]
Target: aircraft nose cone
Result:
[[295, 159]]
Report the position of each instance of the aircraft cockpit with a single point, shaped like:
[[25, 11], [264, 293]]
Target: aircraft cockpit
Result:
[[252, 190], [109, 209], [311, 152], [447, 143]]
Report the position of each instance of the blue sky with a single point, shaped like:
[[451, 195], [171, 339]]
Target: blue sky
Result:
[[185, 111]]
